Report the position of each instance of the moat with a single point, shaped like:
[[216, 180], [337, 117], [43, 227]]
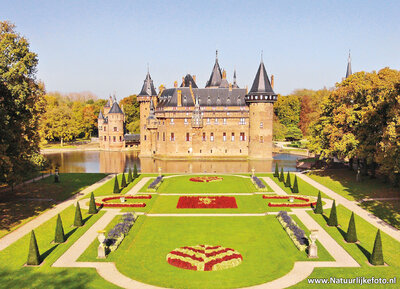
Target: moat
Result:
[[112, 162]]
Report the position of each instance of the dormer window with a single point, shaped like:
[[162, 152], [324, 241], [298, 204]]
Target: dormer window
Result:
[[208, 100]]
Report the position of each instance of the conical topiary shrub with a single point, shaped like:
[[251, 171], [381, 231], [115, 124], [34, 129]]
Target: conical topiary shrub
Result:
[[351, 235], [281, 177], [318, 207], [377, 254], [332, 221], [130, 175], [116, 185], [135, 174], [288, 182], [59, 235], [92, 205], [78, 216], [276, 174], [295, 189], [123, 181], [33, 254]]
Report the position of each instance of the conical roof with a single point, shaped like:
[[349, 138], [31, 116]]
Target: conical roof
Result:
[[216, 74], [235, 85], [348, 71], [115, 108], [101, 116], [261, 83], [189, 80], [148, 87]]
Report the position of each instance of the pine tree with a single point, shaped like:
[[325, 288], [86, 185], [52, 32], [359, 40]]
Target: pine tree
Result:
[[116, 186], [332, 221], [92, 205], [78, 216], [130, 175], [135, 174], [33, 255], [276, 174], [318, 207], [288, 182], [123, 181], [377, 254], [59, 235], [351, 236], [295, 189], [282, 177]]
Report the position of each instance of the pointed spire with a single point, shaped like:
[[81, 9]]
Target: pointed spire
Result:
[[148, 86], [261, 84], [234, 80], [216, 74], [349, 72], [101, 116]]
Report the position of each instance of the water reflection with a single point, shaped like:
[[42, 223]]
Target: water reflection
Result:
[[115, 162]]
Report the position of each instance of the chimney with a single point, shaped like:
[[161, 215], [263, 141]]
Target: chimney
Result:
[[230, 86], [183, 82], [194, 78], [179, 98], [272, 81], [224, 74], [175, 84]]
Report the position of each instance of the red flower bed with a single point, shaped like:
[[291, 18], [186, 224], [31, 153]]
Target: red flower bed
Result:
[[302, 205], [206, 179], [123, 205], [217, 202]]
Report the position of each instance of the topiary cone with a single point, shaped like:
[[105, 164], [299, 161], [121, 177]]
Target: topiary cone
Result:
[[78, 216], [33, 254], [332, 221], [288, 182], [116, 186], [377, 254], [123, 181], [318, 206], [276, 174], [282, 177], [295, 189], [130, 175], [351, 235], [92, 205], [135, 174], [59, 236]]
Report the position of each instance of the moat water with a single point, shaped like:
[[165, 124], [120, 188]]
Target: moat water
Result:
[[116, 162]]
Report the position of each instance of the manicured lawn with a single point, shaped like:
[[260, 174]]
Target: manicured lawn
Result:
[[267, 251], [108, 188]]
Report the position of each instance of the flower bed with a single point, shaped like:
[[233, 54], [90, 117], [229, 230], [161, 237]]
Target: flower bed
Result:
[[217, 202], [206, 179], [293, 230], [258, 183], [154, 185], [204, 258], [307, 201], [118, 233], [104, 203]]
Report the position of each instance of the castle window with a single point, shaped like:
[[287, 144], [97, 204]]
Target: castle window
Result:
[[242, 120], [120, 138], [105, 128], [186, 122], [227, 113], [242, 136], [261, 125], [204, 136], [212, 137], [187, 137], [261, 139], [172, 136], [216, 121], [115, 128], [105, 138], [145, 137], [163, 136], [158, 136], [114, 139], [224, 120], [208, 121], [240, 150], [233, 137], [224, 136], [99, 127], [172, 121]]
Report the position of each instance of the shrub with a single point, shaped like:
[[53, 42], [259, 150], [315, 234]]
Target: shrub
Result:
[[92, 205], [155, 184], [116, 185], [293, 230], [78, 216], [332, 221], [276, 174], [123, 181], [295, 189], [130, 175], [258, 183], [59, 235], [318, 207], [351, 235], [33, 255], [377, 254], [117, 234], [282, 177], [288, 182], [135, 174]]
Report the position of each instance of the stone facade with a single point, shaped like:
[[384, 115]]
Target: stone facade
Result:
[[111, 126]]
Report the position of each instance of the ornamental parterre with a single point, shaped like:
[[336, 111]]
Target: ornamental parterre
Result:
[[204, 258], [207, 202], [206, 179], [104, 201], [307, 201]]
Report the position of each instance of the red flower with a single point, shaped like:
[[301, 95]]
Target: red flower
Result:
[[206, 202]]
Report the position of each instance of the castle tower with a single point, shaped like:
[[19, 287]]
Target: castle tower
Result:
[[260, 100], [146, 98], [115, 119], [216, 74], [348, 71]]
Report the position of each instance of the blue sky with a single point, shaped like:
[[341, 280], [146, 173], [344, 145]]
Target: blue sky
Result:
[[104, 46]]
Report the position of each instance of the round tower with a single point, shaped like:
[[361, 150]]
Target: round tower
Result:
[[116, 120], [260, 100]]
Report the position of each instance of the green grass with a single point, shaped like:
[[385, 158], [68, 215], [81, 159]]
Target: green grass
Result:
[[107, 188], [257, 238]]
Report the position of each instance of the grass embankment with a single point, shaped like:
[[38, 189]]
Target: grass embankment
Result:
[[32, 199]]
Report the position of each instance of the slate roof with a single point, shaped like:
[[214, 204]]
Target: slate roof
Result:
[[207, 97], [132, 137], [148, 87], [216, 74], [261, 84], [115, 108], [348, 71], [189, 79], [101, 116]]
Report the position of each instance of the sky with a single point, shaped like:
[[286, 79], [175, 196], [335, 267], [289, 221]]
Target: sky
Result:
[[105, 47]]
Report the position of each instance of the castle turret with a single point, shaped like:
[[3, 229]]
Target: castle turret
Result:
[[216, 74], [260, 100], [116, 119]]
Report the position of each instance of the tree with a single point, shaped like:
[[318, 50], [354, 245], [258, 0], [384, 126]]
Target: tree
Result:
[[78, 222], [130, 175], [351, 235], [288, 183], [59, 236], [332, 221], [293, 133], [33, 254], [377, 254], [279, 130], [131, 109], [282, 177], [135, 172], [123, 181], [21, 102], [276, 174], [287, 109], [295, 189], [92, 205], [318, 208], [116, 185]]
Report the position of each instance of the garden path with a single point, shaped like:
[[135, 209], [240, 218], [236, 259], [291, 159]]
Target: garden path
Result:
[[138, 186], [14, 236], [277, 189], [352, 206]]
